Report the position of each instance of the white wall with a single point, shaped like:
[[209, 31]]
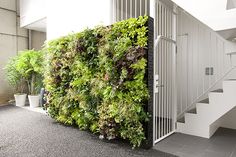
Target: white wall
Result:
[[37, 39], [66, 16], [32, 11], [198, 47], [8, 4]]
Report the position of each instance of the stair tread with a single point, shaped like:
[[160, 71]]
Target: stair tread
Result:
[[205, 101], [181, 120], [218, 91], [230, 80], [194, 111]]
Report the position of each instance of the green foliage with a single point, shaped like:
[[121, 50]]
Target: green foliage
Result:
[[96, 79], [29, 65], [13, 76]]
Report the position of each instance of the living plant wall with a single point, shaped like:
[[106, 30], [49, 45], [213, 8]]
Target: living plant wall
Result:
[[97, 80]]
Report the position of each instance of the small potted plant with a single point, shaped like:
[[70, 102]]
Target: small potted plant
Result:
[[29, 65], [16, 80]]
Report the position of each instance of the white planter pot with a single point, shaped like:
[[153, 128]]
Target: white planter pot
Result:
[[33, 100], [20, 99]]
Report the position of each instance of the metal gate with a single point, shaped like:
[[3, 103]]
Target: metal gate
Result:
[[163, 12], [164, 110]]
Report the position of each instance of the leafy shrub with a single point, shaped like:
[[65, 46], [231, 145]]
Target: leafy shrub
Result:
[[29, 64], [13, 76], [96, 79]]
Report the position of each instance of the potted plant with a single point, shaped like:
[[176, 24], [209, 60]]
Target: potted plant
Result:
[[16, 80], [29, 66]]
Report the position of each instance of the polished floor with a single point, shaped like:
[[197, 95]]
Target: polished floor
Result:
[[221, 144]]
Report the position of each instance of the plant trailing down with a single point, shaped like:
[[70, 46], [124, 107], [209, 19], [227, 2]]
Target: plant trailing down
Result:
[[96, 79]]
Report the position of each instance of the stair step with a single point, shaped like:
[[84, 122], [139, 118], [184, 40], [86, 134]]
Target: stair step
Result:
[[230, 80], [205, 101], [218, 91], [202, 120], [194, 111], [181, 120]]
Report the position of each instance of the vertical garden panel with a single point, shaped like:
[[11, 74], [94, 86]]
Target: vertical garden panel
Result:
[[101, 80]]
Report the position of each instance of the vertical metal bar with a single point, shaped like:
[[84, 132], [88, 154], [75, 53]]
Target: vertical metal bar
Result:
[[158, 19], [167, 84], [146, 7], [135, 8], [165, 71], [131, 9], [122, 9], [171, 95], [117, 9], [126, 9], [161, 91], [114, 11], [159, 15], [154, 101], [171, 87], [159, 73], [140, 8], [159, 94], [163, 30], [170, 76], [174, 26]]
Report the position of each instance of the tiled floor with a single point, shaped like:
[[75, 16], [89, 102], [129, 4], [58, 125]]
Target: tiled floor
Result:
[[221, 144]]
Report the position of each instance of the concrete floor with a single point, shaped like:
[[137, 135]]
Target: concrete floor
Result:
[[24, 133], [221, 144]]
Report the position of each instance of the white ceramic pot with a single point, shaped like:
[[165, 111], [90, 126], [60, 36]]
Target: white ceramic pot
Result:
[[33, 100], [20, 99]]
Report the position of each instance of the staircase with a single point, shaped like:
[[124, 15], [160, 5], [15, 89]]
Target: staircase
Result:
[[202, 120]]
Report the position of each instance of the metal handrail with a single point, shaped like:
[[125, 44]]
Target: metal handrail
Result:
[[159, 37]]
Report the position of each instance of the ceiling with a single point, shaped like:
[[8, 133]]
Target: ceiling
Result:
[[229, 34], [213, 13], [40, 25]]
